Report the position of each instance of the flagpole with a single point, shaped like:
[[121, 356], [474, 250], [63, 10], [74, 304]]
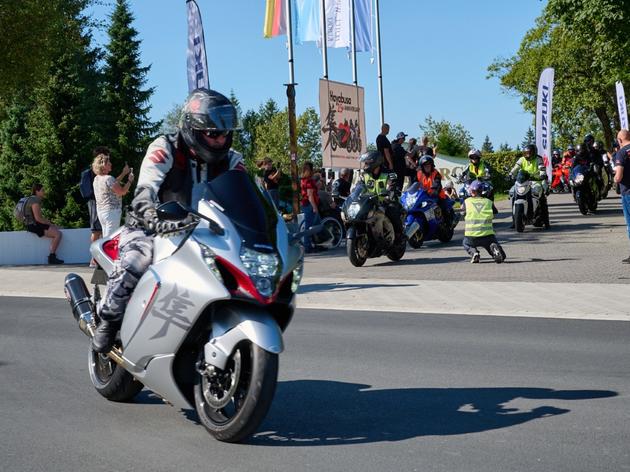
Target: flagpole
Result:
[[353, 45], [291, 112], [324, 39], [380, 68]]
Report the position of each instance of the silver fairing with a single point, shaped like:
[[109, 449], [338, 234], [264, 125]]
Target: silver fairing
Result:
[[176, 290]]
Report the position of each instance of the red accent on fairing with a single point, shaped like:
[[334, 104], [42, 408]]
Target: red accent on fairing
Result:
[[110, 248], [245, 284], [150, 302]]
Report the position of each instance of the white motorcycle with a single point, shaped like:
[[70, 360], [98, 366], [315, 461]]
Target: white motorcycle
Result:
[[203, 328], [529, 202]]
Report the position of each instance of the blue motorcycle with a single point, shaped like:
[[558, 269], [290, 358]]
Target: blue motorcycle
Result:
[[425, 221]]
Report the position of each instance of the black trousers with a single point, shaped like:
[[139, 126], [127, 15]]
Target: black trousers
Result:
[[471, 244]]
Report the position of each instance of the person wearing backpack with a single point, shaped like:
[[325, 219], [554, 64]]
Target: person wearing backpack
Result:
[[37, 224]]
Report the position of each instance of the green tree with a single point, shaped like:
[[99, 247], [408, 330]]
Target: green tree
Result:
[[530, 137], [126, 100], [586, 42], [487, 145], [505, 147], [309, 137], [170, 122], [449, 138]]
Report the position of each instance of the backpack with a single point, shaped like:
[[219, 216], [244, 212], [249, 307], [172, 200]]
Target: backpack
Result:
[[18, 211], [85, 185]]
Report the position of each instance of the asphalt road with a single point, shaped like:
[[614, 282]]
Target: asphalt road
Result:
[[358, 391]]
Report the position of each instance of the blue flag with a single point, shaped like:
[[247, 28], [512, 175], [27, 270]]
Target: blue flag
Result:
[[308, 20], [196, 54], [363, 25]]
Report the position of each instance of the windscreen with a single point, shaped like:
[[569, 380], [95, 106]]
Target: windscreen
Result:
[[246, 206]]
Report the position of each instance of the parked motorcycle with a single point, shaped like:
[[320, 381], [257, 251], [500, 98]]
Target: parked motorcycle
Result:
[[369, 232], [425, 220], [203, 328], [585, 189], [529, 202]]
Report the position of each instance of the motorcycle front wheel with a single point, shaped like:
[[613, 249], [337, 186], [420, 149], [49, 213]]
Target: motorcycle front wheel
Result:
[[446, 235], [357, 250], [519, 218], [579, 198], [417, 240], [232, 403]]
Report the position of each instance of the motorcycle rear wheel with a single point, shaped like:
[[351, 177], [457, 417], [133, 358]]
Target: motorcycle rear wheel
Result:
[[232, 403], [357, 250], [110, 379]]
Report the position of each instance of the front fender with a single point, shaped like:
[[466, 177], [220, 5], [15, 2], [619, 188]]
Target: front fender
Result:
[[232, 325]]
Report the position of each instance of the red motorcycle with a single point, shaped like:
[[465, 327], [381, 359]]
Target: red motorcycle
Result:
[[560, 182]]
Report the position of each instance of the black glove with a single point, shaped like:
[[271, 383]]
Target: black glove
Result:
[[165, 228]]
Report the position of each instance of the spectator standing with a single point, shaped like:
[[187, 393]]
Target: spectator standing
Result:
[[399, 154], [95, 225], [271, 178], [622, 176], [385, 147], [341, 186], [108, 192], [424, 149], [309, 202], [37, 224], [413, 155], [326, 202]]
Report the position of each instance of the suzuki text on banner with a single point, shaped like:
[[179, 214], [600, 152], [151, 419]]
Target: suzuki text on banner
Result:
[[196, 54], [543, 118], [342, 121]]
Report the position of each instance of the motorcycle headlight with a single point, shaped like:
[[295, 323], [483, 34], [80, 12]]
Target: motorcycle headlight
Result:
[[410, 202], [521, 189], [353, 210], [262, 268], [424, 204], [208, 258], [579, 179]]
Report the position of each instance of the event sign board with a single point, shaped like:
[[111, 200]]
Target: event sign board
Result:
[[342, 122]]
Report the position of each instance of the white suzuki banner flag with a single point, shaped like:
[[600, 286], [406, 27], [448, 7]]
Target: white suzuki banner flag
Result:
[[196, 54], [543, 118], [338, 23], [621, 105]]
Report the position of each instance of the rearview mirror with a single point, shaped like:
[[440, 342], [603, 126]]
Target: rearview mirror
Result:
[[172, 211]]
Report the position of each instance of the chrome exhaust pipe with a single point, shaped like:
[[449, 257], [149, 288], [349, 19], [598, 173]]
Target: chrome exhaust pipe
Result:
[[81, 303]]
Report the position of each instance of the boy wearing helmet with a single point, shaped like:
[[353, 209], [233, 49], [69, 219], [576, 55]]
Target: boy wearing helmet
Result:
[[479, 231], [175, 167]]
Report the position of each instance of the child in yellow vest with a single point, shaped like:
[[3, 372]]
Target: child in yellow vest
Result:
[[479, 231]]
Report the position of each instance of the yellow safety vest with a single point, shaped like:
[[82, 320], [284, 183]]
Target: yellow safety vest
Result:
[[531, 167], [481, 170], [478, 217], [376, 185]]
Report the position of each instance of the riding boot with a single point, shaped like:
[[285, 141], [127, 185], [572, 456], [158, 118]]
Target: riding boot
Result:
[[105, 335]]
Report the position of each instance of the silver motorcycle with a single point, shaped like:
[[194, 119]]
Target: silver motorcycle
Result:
[[203, 328]]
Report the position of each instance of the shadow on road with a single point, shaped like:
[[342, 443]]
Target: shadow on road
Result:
[[423, 260], [342, 287], [323, 413]]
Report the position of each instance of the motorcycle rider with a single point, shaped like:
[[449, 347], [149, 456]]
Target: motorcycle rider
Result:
[[175, 167], [533, 164], [479, 169], [341, 186], [555, 157], [379, 183], [595, 157], [479, 231], [431, 181]]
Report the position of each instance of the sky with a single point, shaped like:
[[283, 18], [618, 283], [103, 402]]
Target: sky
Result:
[[434, 57]]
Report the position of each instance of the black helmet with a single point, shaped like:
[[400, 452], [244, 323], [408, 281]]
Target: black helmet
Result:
[[556, 152], [589, 139], [532, 149], [599, 145], [371, 160], [578, 148], [570, 147], [206, 113], [426, 159]]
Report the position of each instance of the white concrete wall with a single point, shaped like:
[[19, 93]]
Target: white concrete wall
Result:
[[24, 248]]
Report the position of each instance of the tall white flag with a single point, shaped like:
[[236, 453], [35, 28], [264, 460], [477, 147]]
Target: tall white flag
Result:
[[196, 54], [621, 105], [543, 118], [338, 23]]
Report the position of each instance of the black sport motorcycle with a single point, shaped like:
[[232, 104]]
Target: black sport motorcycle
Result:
[[369, 232], [585, 189]]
